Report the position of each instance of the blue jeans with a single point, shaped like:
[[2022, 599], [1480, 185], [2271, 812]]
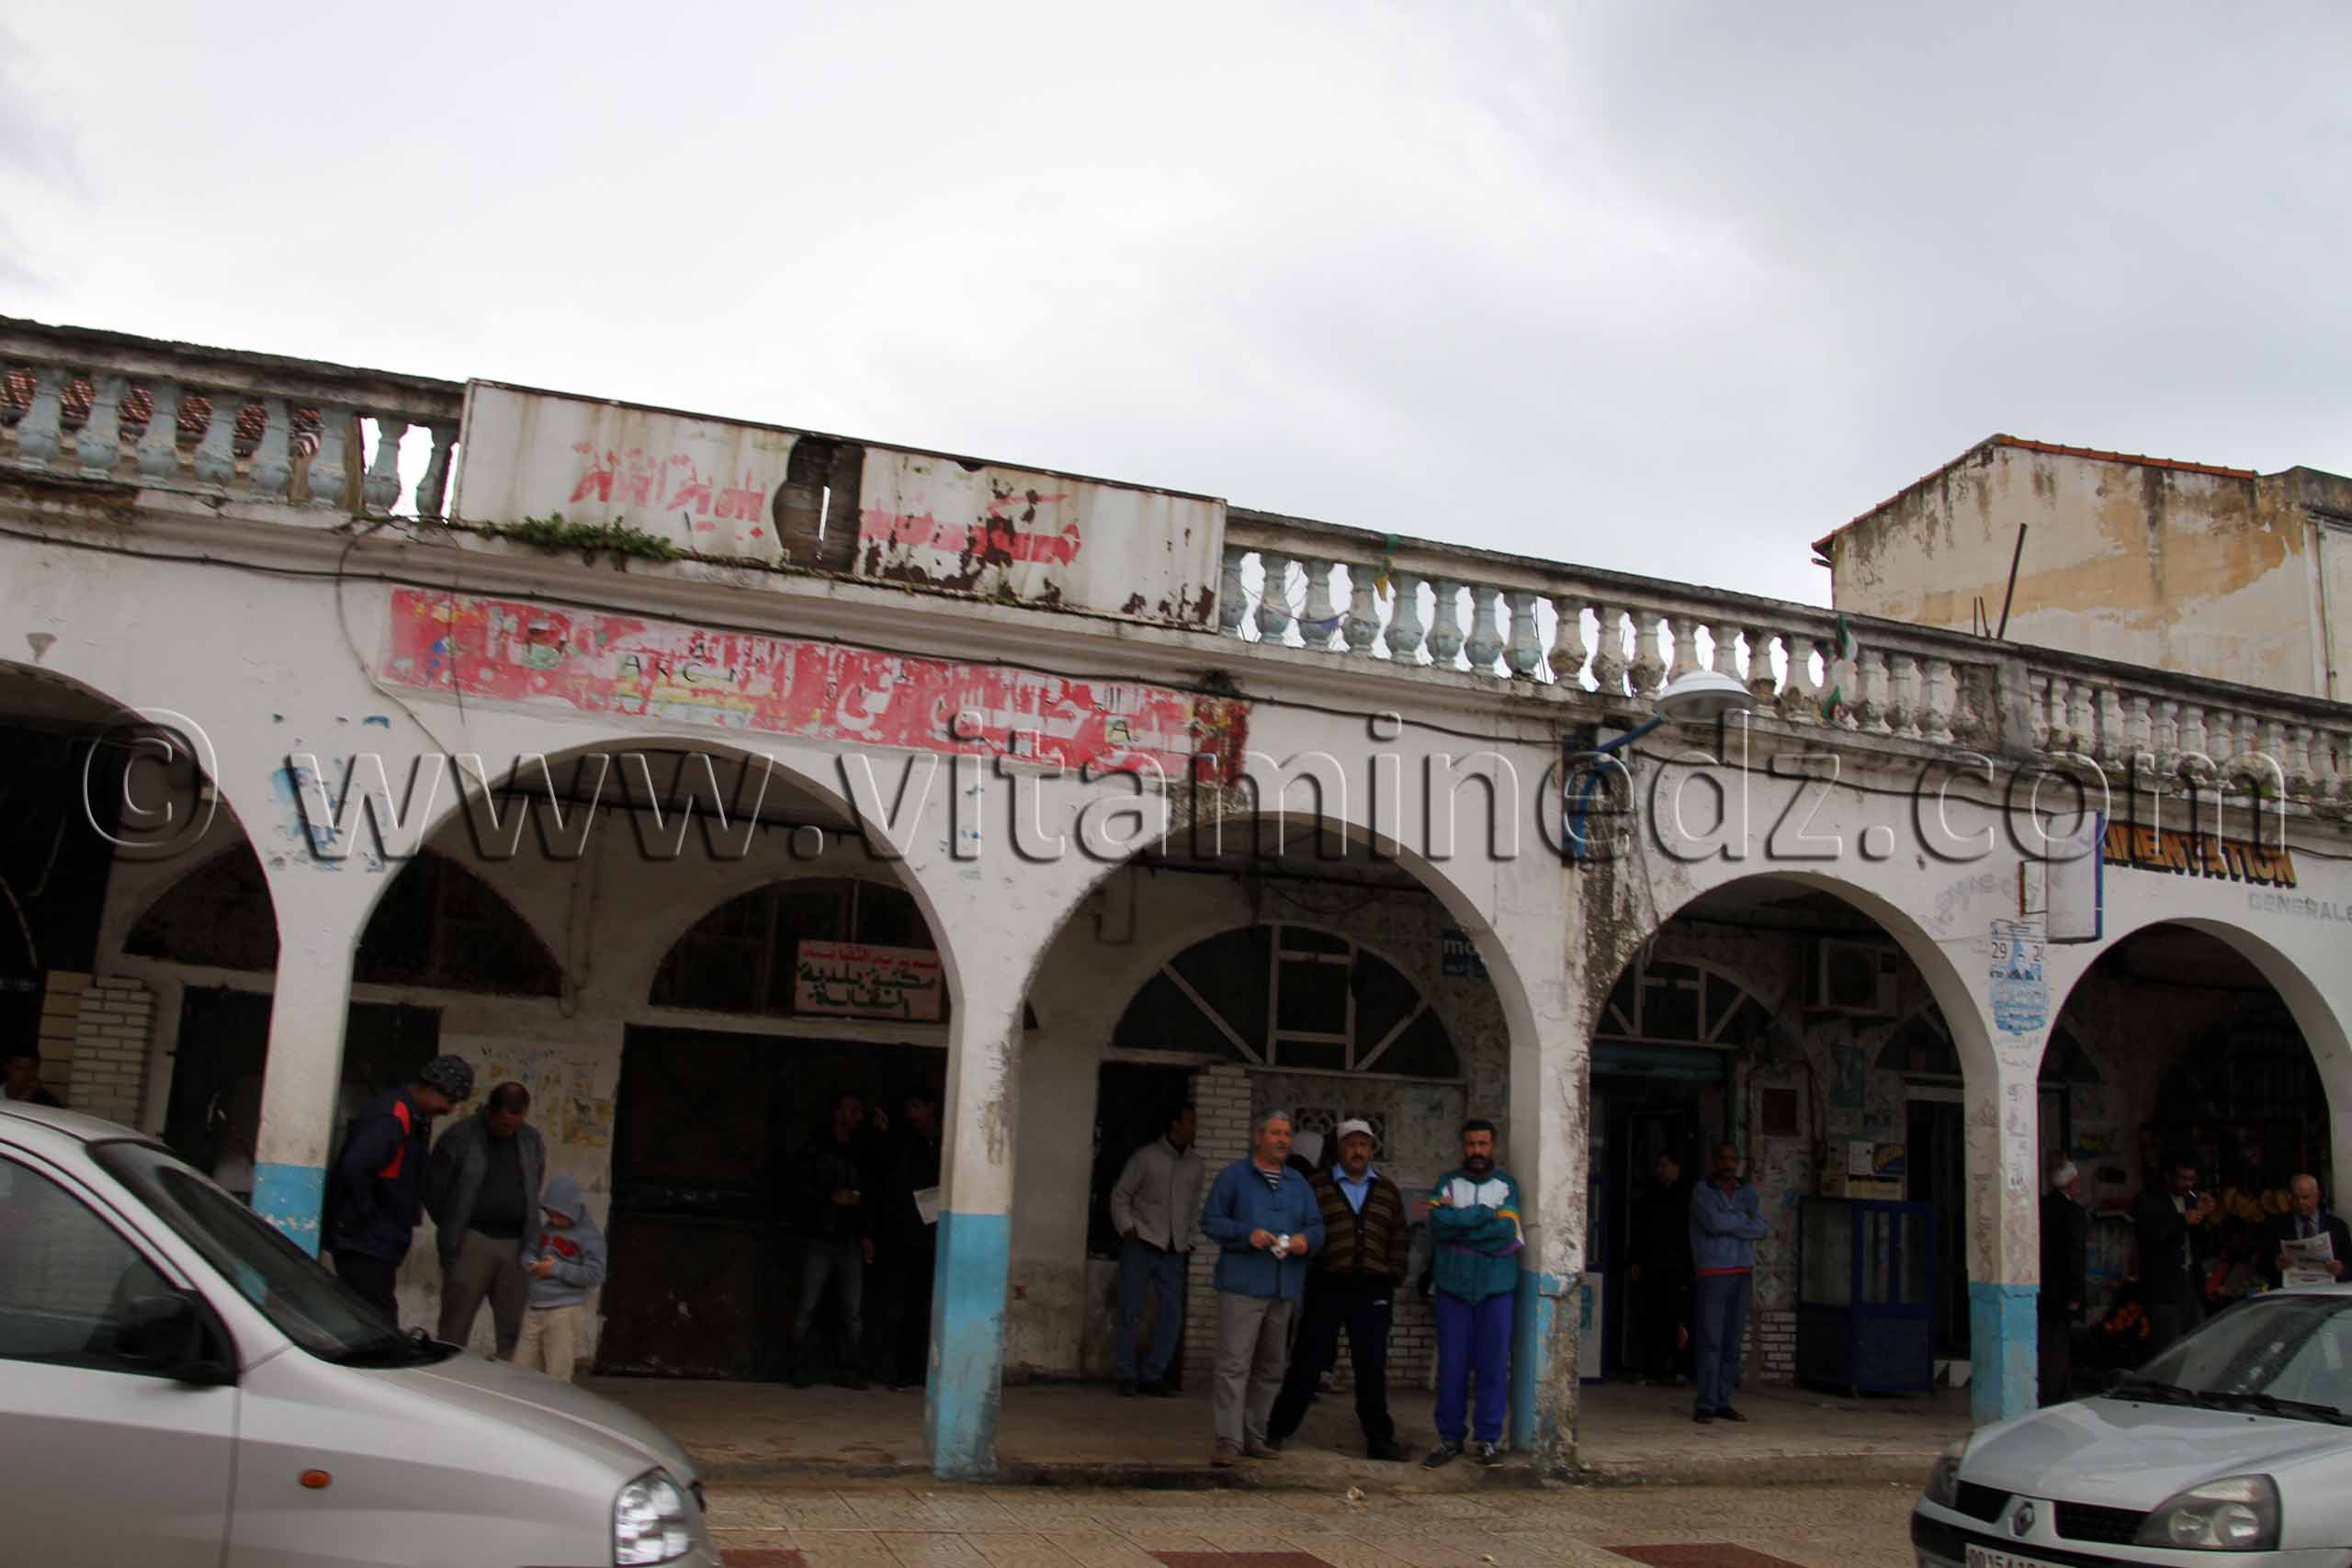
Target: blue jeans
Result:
[[1147, 1270], [1719, 1310], [1472, 1337]]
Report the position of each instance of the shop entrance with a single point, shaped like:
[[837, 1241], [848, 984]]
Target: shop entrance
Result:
[[705, 1218], [1646, 1101]]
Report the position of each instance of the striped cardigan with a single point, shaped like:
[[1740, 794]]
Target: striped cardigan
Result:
[[1371, 1243]]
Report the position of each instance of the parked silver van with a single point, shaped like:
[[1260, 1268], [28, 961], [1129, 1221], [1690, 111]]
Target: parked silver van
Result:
[[180, 1384]]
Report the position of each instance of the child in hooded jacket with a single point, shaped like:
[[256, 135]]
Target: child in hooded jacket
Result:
[[565, 1261]]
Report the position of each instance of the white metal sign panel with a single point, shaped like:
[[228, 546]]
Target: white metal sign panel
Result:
[[1039, 538], [706, 485]]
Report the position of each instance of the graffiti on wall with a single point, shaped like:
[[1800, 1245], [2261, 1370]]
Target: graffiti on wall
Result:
[[508, 651]]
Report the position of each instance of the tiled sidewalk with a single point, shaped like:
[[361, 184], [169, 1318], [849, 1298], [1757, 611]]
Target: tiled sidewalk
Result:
[[889, 1525]]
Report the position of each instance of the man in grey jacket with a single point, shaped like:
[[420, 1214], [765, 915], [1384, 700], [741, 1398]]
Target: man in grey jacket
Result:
[[482, 1191], [1156, 1207]]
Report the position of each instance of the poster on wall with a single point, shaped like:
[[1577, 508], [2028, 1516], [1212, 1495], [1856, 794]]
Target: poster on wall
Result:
[[2020, 995], [854, 979]]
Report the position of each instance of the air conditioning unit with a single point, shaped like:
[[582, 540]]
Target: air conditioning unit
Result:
[[1852, 977]]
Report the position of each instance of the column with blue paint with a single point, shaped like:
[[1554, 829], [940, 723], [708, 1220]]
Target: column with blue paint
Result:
[[1551, 1064], [2004, 1349], [962, 1394], [2004, 1239], [317, 938]]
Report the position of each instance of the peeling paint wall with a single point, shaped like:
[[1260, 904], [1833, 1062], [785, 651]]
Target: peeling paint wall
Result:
[[2175, 569]]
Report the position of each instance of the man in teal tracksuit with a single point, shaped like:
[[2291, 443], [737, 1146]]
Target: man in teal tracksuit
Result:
[[1265, 1220], [1474, 1220]]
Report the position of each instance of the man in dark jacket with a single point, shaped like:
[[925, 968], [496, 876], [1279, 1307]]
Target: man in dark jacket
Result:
[[483, 1194], [2065, 1262], [1352, 1285], [2169, 1218], [905, 1245], [837, 1224], [1661, 1273], [2304, 1222], [374, 1196]]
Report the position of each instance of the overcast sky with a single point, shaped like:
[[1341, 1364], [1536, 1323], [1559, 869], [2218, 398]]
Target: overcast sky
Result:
[[1666, 289]]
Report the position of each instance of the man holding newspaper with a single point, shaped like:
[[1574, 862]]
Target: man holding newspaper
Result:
[[2304, 1247]]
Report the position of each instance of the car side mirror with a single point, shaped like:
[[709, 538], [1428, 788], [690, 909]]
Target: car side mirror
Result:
[[168, 1334]]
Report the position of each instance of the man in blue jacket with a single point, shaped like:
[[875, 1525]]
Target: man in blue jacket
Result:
[[1473, 1224], [1727, 1221], [375, 1194], [1265, 1220]]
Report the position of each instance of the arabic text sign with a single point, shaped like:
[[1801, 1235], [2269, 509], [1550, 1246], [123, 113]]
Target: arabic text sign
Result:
[[859, 980], [1044, 539], [510, 650], [703, 484]]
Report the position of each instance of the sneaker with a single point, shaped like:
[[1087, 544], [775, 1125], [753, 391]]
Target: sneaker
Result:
[[1443, 1455], [1261, 1447], [1127, 1388], [1727, 1413], [1225, 1455], [1390, 1452], [1488, 1454]]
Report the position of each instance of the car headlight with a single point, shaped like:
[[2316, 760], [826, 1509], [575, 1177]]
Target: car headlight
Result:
[[650, 1521], [2240, 1514], [1943, 1481]]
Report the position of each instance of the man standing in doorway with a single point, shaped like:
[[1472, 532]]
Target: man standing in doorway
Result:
[[906, 1247], [2303, 1222], [1661, 1274], [2166, 1220], [484, 1195], [2066, 1263], [1266, 1222], [23, 1083], [1474, 1226], [375, 1192], [1727, 1221], [839, 1241], [1354, 1279], [1156, 1207]]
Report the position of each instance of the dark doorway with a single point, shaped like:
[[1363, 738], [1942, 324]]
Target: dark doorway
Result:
[[705, 1222], [1936, 1161], [1133, 1101], [214, 1114], [1647, 1101]]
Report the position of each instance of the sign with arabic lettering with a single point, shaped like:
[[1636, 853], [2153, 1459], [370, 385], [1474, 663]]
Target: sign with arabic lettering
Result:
[[704, 485], [855, 979]]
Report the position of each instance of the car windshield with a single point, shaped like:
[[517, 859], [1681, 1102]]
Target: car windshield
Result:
[[306, 1302], [2282, 1355]]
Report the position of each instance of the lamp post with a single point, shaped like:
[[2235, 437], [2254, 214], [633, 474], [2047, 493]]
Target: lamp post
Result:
[[1701, 696]]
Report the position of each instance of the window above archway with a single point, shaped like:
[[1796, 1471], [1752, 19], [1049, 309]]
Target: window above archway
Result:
[[218, 916], [441, 926], [1294, 997], [1921, 1050], [744, 957], [1665, 1001]]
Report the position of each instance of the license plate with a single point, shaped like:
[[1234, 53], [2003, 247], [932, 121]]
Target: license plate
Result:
[[1985, 1557]]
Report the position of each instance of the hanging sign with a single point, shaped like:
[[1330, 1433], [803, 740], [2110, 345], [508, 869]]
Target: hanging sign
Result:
[[853, 979]]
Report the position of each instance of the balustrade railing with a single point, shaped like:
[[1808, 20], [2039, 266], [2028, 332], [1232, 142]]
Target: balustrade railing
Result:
[[2260, 744], [95, 406]]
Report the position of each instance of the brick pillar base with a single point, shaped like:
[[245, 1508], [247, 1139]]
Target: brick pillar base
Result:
[[1221, 1109], [110, 1038]]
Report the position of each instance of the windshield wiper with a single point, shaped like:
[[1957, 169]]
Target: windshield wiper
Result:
[[2271, 1405], [2153, 1392]]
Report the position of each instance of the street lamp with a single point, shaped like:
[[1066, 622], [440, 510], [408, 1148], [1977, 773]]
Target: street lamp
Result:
[[1701, 696]]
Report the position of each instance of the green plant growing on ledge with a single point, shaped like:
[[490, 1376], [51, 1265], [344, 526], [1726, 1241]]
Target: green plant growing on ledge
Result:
[[558, 532]]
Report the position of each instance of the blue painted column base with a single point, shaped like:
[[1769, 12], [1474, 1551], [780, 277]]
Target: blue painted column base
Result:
[[967, 1344], [290, 1197], [2004, 1370]]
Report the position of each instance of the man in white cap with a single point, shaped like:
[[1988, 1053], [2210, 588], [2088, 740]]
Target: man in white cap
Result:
[[1367, 1232]]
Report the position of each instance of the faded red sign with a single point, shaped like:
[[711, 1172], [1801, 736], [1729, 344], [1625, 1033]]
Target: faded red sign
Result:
[[861, 980], [509, 650]]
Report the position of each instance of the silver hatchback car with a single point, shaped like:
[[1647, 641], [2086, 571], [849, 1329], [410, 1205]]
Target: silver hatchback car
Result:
[[181, 1385], [2233, 1447]]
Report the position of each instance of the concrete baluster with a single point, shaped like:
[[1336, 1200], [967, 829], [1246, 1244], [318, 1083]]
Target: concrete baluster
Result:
[[1609, 651], [1320, 621], [1362, 629], [1763, 682], [434, 487], [159, 447], [1445, 637], [2111, 724], [1274, 616], [1647, 671], [382, 490], [2055, 738], [1681, 646], [98, 445], [43, 425], [2139, 727], [1935, 702], [2081, 724], [1568, 651], [1229, 607], [1405, 628], [2195, 763], [1799, 697], [1903, 706], [1523, 653], [328, 477], [1485, 643], [216, 450], [272, 469], [2297, 760]]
